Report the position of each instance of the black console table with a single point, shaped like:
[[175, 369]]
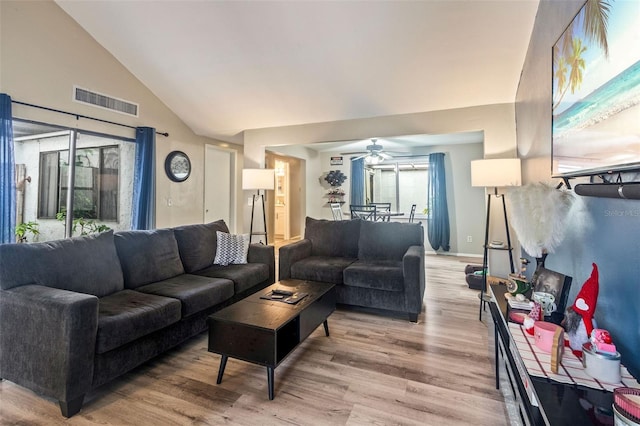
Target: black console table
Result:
[[541, 401]]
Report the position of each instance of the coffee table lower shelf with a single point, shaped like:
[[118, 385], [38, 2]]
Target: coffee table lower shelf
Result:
[[264, 332]]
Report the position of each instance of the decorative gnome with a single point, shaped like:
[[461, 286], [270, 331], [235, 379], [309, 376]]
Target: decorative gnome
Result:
[[579, 321], [534, 315]]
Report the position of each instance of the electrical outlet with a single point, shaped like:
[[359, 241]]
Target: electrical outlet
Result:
[[469, 239], [250, 201]]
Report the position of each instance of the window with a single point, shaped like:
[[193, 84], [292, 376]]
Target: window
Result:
[[103, 167], [401, 184], [96, 183]]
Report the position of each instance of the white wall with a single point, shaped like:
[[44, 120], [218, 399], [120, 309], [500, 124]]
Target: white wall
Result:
[[44, 53], [497, 122], [466, 204]]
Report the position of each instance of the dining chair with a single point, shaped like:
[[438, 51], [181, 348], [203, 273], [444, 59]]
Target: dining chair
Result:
[[336, 210], [381, 209], [365, 212], [413, 213]]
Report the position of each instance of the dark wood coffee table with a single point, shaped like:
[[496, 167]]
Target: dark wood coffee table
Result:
[[263, 331]]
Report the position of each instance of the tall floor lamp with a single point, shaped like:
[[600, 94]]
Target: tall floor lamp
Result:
[[498, 172], [258, 179]]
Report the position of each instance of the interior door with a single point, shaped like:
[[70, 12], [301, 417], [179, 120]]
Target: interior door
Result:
[[220, 185]]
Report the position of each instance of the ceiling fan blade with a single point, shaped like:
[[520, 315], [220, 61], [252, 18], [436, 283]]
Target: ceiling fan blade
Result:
[[362, 156], [354, 153], [385, 155]]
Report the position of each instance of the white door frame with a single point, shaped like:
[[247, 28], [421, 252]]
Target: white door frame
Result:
[[233, 181]]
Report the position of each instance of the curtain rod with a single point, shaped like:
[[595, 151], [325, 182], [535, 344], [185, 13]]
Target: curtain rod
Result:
[[79, 116]]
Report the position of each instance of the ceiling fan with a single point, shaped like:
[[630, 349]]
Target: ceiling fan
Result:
[[374, 153]]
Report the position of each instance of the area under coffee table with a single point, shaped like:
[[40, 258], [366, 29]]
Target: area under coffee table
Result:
[[263, 331]]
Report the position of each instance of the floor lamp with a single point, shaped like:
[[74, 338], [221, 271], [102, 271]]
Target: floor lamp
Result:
[[499, 172], [258, 179]]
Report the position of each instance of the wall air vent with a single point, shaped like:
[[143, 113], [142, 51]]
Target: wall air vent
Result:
[[103, 101]]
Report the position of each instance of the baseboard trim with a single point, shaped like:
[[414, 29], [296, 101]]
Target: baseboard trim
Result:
[[431, 252]]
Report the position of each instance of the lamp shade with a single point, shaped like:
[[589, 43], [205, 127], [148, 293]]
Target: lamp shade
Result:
[[496, 172], [258, 179]]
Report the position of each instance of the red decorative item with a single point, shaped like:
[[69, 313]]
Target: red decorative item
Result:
[[601, 341], [533, 316], [586, 300]]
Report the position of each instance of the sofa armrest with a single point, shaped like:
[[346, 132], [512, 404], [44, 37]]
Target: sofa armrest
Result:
[[414, 278], [48, 340], [260, 253], [290, 254]]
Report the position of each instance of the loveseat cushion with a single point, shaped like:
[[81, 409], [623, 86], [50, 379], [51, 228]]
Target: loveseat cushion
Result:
[[196, 293], [379, 275], [148, 256], [321, 268], [197, 244], [128, 315], [334, 238], [243, 276], [388, 240], [86, 264]]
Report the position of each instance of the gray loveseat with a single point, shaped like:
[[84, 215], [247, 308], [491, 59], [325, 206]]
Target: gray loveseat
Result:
[[76, 313], [373, 264]]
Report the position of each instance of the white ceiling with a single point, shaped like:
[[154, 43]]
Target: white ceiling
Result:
[[227, 66]]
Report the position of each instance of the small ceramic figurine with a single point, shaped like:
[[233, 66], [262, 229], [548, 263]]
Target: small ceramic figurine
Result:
[[534, 315], [518, 283]]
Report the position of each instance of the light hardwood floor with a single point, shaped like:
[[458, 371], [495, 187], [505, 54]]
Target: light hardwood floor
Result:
[[373, 369]]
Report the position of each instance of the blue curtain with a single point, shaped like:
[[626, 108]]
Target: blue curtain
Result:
[[438, 223], [143, 215], [357, 181], [7, 173]]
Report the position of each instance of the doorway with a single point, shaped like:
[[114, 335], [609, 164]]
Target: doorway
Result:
[[282, 230], [285, 212]]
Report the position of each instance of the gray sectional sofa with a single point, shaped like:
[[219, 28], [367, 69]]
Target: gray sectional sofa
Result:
[[76, 313], [373, 264]]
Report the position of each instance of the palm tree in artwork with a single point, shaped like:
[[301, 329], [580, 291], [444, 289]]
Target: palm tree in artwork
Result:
[[576, 61], [595, 18], [561, 78], [573, 61]]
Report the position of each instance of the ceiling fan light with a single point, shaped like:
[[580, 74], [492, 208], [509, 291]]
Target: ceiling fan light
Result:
[[373, 159]]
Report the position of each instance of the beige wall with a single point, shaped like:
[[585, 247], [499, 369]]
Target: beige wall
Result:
[[44, 53], [497, 122]]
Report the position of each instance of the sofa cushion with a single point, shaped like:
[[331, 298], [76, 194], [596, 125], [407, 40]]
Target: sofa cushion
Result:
[[388, 240], [86, 264], [232, 249], [334, 238], [321, 268], [128, 315], [196, 293], [148, 256], [197, 244], [379, 275], [243, 276]]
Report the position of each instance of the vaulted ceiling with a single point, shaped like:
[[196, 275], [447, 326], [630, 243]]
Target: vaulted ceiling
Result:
[[228, 66]]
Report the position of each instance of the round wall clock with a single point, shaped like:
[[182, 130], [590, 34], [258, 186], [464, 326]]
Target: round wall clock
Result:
[[177, 166]]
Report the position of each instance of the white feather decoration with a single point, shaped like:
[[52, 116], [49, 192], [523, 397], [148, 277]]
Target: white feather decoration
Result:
[[538, 216]]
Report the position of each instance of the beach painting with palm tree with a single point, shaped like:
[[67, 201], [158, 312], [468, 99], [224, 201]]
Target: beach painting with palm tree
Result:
[[596, 90]]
